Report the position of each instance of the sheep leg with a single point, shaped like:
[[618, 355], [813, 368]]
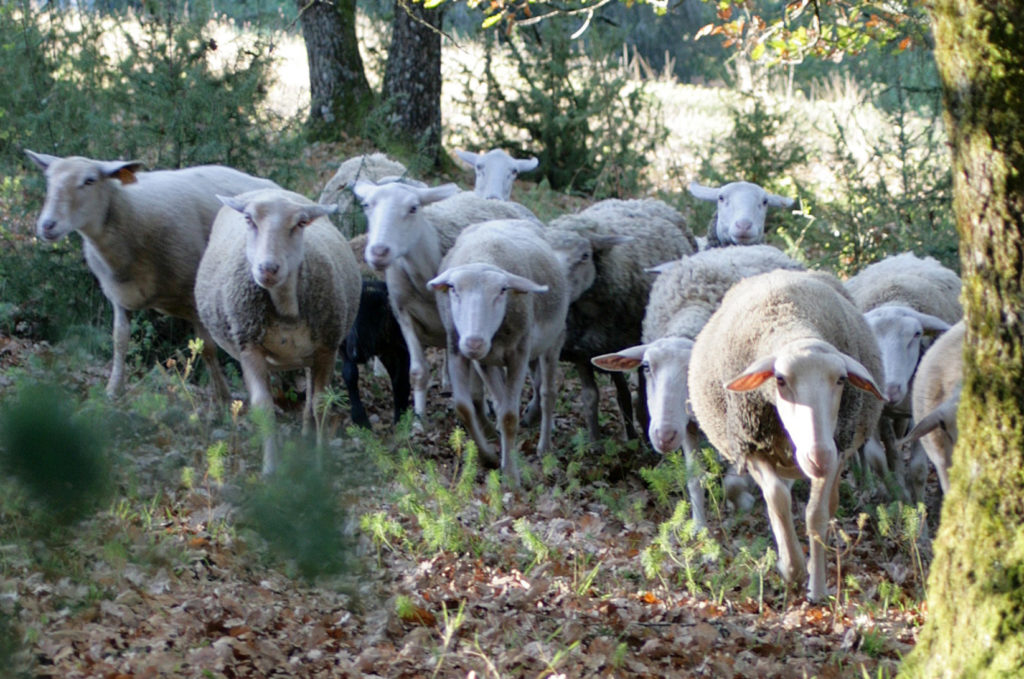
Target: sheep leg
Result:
[[532, 413], [395, 363], [115, 385], [625, 399], [893, 455], [350, 375], [257, 382], [220, 385], [589, 395], [820, 506], [317, 379], [506, 385], [643, 415], [693, 477], [547, 369], [917, 473], [419, 370], [780, 514], [462, 370]]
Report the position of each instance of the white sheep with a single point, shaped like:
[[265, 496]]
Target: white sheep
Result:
[[683, 297], [409, 230], [608, 315], [906, 300], [143, 234], [739, 218], [936, 397], [782, 383], [503, 297], [374, 167], [278, 288], [496, 171]]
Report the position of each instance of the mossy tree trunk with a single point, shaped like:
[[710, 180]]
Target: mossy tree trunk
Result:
[[975, 622], [340, 95], [411, 91]]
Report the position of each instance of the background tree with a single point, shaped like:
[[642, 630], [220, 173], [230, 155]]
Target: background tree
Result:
[[411, 92], [340, 95], [975, 622]]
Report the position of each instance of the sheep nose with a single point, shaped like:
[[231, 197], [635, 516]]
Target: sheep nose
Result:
[[270, 268], [665, 439], [379, 251], [473, 347], [45, 228], [894, 393], [743, 226]]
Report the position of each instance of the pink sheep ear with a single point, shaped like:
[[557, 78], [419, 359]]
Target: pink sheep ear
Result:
[[859, 377], [756, 374], [621, 361]]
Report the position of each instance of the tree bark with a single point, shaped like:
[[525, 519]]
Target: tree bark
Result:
[[975, 622], [412, 79], [340, 96]]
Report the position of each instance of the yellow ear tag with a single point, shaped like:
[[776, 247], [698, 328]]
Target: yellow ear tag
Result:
[[125, 176]]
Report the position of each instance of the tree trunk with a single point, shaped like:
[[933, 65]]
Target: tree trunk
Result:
[[340, 96], [975, 622], [412, 79]]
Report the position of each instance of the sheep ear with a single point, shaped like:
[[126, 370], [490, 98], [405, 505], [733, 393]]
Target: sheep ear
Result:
[[232, 202], [754, 376], [859, 377], [621, 361], [522, 284], [362, 189], [440, 283], [607, 242], [527, 165], [42, 160], [437, 193], [926, 425], [701, 192], [122, 170], [662, 268], [468, 157], [775, 200], [314, 212], [931, 324]]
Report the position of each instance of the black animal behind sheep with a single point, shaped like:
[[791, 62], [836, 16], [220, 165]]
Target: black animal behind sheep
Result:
[[375, 333]]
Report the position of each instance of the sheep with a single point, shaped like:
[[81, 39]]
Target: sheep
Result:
[[906, 300], [608, 315], [683, 297], [496, 171], [503, 297], [936, 397], [278, 288], [739, 218], [800, 336], [375, 333], [143, 234], [409, 230], [376, 167]]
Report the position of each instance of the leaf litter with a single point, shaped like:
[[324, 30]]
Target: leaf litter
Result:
[[450, 576]]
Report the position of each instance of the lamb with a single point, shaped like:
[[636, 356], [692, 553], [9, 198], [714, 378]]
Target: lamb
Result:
[[375, 333], [683, 297], [503, 297], [799, 335], [409, 230], [496, 171], [608, 315], [143, 235], [278, 288], [906, 300], [375, 167], [739, 219], [936, 397]]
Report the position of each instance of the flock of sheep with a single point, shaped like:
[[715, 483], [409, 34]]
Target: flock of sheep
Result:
[[787, 372]]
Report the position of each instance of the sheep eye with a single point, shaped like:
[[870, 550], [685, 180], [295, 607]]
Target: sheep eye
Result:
[[301, 223], [89, 181], [780, 380], [841, 380], [250, 222], [764, 202], [721, 199], [646, 368], [917, 334], [412, 210]]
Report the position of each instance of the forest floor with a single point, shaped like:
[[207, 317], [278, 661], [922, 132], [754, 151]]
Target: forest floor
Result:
[[403, 559]]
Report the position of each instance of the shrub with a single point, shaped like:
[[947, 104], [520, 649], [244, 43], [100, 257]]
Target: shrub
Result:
[[572, 106]]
